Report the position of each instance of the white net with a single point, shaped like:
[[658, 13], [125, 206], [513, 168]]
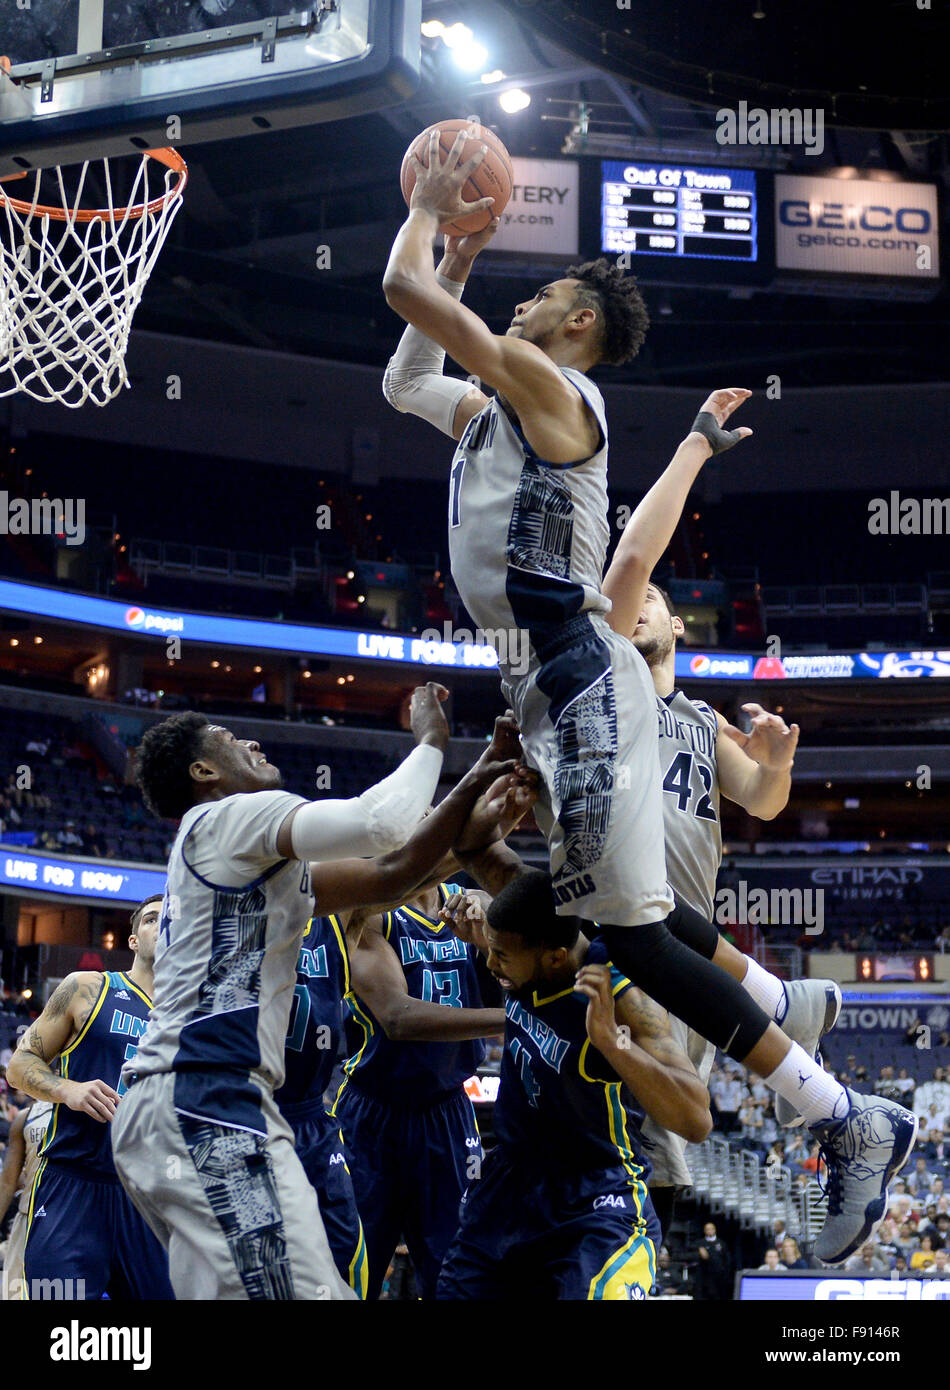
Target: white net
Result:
[[72, 281]]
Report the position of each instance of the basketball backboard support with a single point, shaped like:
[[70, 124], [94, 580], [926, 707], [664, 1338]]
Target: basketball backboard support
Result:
[[108, 77]]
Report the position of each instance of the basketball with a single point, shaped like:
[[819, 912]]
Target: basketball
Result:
[[494, 177]]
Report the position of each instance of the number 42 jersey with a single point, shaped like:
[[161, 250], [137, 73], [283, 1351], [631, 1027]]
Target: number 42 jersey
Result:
[[690, 772]]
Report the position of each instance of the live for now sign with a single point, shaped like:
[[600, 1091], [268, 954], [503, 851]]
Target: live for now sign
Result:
[[856, 226]]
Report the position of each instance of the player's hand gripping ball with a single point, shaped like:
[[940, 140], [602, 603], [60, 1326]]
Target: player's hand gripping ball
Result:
[[492, 178]]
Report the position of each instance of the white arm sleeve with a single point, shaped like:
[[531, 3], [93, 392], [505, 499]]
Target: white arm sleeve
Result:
[[381, 819], [413, 381]]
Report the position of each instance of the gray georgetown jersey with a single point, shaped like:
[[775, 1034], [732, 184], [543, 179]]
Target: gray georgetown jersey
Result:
[[527, 538], [688, 732], [690, 773], [226, 959]]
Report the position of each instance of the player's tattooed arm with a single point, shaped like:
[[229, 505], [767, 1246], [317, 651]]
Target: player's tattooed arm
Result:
[[64, 1017], [377, 977], [755, 769], [633, 1034], [13, 1160]]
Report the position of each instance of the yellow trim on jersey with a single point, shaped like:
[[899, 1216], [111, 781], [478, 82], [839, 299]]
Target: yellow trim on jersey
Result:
[[358, 1272], [307, 929], [366, 1024], [64, 1060], [443, 890], [89, 1021], [24, 1290], [387, 924], [136, 988], [632, 1265], [549, 999], [341, 942]]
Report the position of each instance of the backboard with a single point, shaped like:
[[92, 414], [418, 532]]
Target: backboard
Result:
[[105, 77]]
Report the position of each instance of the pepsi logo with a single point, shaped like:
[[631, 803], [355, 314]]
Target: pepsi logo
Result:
[[700, 665], [134, 617]]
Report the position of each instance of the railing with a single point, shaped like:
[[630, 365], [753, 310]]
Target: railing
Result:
[[237, 566], [814, 600], [734, 1183]]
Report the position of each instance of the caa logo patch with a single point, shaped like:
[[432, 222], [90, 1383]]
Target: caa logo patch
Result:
[[635, 1291], [612, 1201], [700, 665], [471, 1143], [134, 617]]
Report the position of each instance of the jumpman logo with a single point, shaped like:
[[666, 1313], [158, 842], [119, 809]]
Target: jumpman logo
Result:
[[801, 1080]]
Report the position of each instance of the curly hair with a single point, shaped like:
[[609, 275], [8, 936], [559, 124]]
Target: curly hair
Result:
[[526, 907], [619, 303], [165, 754]]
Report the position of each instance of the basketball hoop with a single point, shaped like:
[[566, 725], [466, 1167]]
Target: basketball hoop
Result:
[[71, 278]]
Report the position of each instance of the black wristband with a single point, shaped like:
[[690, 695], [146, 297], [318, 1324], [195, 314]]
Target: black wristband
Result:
[[720, 439]]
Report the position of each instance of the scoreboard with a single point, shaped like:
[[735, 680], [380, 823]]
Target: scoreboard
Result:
[[671, 210]]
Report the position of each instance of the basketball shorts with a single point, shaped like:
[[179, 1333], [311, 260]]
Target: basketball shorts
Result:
[[527, 1235], [410, 1167], [231, 1205], [318, 1144], [84, 1238], [588, 723]]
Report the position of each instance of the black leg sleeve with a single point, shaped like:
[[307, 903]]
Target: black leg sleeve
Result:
[[688, 985]]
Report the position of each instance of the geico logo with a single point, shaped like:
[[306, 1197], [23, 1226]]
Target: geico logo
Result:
[[875, 217], [881, 1290]]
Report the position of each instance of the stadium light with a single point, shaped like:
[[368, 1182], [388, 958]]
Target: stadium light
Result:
[[433, 28], [514, 100], [496, 75]]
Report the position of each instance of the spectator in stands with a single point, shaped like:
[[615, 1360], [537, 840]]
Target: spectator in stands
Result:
[[48, 840], [796, 1149], [886, 1085], [813, 1162], [924, 1257], [770, 1129], [90, 842], [69, 839], [668, 1279], [867, 1261], [940, 1269], [906, 1086], [942, 942], [887, 1241], [920, 1180], [913, 1032], [714, 1271], [750, 1125], [770, 1260], [792, 1257], [900, 1267], [935, 1149], [934, 1092], [727, 1094], [942, 1228], [39, 747], [928, 1225]]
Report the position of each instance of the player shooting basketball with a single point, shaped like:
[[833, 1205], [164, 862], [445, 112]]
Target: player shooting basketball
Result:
[[528, 536]]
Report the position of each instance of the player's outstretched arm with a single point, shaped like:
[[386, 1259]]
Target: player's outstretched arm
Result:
[[383, 817], [377, 977], [527, 377], [13, 1160], [633, 1034], [390, 879], [30, 1068], [652, 526], [755, 769], [414, 382]]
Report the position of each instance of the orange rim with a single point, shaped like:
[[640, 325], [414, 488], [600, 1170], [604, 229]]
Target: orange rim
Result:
[[171, 158]]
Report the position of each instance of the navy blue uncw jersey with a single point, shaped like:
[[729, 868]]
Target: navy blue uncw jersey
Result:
[[440, 969], [559, 1101], [109, 1037], [316, 1019]]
